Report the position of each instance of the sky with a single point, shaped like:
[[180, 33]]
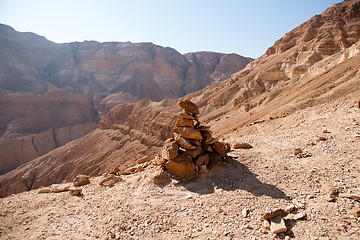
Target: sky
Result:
[[245, 27]]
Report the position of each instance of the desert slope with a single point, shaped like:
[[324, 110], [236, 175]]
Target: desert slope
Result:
[[268, 90]]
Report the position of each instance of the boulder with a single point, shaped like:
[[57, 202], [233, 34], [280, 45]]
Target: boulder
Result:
[[181, 166], [189, 106]]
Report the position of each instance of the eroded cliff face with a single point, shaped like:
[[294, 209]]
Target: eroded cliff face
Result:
[[127, 133], [51, 93]]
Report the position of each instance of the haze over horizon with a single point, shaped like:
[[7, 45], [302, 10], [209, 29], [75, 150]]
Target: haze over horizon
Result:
[[242, 27]]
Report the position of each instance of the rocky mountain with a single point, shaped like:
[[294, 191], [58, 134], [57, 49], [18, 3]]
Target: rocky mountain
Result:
[[314, 66], [53, 93]]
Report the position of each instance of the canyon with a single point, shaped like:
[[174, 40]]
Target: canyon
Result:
[[52, 93]]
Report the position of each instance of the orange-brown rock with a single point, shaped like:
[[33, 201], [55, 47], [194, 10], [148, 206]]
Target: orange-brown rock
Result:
[[185, 143], [183, 122], [271, 214], [81, 180], [189, 106], [170, 150], [181, 166], [188, 132], [220, 148], [194, 152], [186, 116], [202, 159], [241, 145]]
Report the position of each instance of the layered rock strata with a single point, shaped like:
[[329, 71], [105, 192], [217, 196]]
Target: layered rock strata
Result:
[[192, 149]]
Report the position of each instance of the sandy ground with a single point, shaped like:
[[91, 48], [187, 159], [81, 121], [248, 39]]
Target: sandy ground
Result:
[[212, 206]]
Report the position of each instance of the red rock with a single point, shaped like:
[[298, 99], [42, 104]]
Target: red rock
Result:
[[202, 159]]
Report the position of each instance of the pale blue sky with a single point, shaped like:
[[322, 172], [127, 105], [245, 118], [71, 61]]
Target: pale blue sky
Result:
[[246, 27]]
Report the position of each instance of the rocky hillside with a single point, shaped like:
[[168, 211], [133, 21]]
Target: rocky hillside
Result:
[[53, 93], [286, 81]]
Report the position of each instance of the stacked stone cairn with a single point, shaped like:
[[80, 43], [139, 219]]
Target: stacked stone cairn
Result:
[[192, 149]]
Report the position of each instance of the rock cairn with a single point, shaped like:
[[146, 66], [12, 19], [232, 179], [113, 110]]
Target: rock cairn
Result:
[[192, 149]]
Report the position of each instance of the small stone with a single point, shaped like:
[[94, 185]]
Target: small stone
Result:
[[45, 190], [81, 180], [185, 143], [321, 139], [347, 128], [161, 177], [186, 116], [277, 225], [299, 216], [245, 212], [267, 224], [75, 192], [287, 238], [184, 122], [271, 214], [214, 160], [170, 150], [188, 132], [189, 106], [325, 131], [206, 135], [115, 171], [297, 151], [200, 160], [203, 169], [203, 128], [110, 181], [140, 169], [329, 188], [220, 148], [350, 195], [169, 140], [241, 146], [355, 211], [194, 152], [143, 160], [290, 208]]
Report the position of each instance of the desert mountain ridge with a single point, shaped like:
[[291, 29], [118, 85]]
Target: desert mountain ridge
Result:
[[53, 93]]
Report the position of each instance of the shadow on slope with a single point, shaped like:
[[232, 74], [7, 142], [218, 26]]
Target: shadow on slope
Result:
[[232, 177]]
